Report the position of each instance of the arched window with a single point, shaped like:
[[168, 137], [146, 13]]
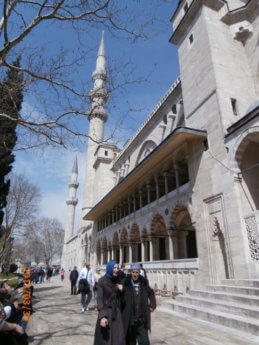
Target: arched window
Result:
[[145, 150]]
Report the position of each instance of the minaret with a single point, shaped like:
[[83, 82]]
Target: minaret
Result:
[[71, 202], [97, 116]]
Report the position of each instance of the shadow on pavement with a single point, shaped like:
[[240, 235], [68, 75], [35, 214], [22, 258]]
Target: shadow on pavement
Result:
[[39, 289]]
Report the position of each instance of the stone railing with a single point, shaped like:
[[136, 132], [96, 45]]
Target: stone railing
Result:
[[175, 276]]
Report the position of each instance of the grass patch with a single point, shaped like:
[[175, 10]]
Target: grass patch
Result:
[[13, 279]]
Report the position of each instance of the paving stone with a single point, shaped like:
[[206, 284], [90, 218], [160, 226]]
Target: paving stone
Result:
[[58, 321]]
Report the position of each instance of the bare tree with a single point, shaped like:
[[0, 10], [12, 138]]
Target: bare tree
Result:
[[45, 238], [20, 212], [52, 69]]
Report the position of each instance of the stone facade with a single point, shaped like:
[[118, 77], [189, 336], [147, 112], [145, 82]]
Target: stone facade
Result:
[[182, 197]]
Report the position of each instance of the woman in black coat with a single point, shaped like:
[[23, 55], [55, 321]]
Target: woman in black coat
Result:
[[109, 326]]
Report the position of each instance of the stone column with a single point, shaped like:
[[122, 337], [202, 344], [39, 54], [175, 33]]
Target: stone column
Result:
[[113, 253], [151, 250], [166, 182], [113, 216], [109, 254], [171, 247], [148, 193], [177, 182], [130, 253], [143, 251], [101, 257], [117, 213], [129, 204], [140, 198], [157, 188], [121, 254]]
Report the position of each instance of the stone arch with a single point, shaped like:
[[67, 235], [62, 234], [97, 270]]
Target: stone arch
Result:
[[246, 157], [146, 148], [124, 242], [146, 245], [98, 251], [159, 238], [240, 146], [104, 251], [135, 243], [144, 234], [116, 247], [184, 234], [124, 237]]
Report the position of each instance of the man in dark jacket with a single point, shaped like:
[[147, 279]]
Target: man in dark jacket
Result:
[[73, 278], [138, 300]]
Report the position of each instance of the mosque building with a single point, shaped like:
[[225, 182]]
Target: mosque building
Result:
[[182, 196]]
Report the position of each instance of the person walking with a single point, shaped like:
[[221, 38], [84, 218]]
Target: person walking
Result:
[[138, 301], [109, 325], [41, 274], [85, 284], [62, 274], [49, 274], [73, 279], [97, 276]]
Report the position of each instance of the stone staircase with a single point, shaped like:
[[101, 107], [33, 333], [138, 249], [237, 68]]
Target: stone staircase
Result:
[[234, 304]]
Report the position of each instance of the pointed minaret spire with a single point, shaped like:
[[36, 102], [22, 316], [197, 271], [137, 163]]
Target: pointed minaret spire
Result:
[[99, 93], [75, 167], [101, 50], [71, 202], [97, 116]]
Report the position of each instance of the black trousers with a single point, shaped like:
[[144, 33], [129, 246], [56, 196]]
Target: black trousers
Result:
[[138, 333], [73, 288]]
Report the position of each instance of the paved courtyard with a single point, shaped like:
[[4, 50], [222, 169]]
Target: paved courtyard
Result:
[[58, 321]]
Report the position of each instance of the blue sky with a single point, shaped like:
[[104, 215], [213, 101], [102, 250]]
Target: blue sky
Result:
[[156, 58]]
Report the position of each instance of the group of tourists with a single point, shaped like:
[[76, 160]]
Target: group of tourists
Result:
[[124, 302], [12, 322], [41, 274]]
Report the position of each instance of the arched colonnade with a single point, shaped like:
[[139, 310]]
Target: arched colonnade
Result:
[[152, 242]]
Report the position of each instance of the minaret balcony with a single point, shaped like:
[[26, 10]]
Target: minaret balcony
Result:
[[100, 92], [72, 202], [99, 75], [99, 112], [73, 185]]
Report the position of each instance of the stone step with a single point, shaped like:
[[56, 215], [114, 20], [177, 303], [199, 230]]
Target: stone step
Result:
[[215, 304], [243, 290], [245, 324], [223, 296], [241, 282]]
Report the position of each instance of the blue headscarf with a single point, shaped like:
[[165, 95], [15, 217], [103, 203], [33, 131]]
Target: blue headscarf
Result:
[[109, 270]]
